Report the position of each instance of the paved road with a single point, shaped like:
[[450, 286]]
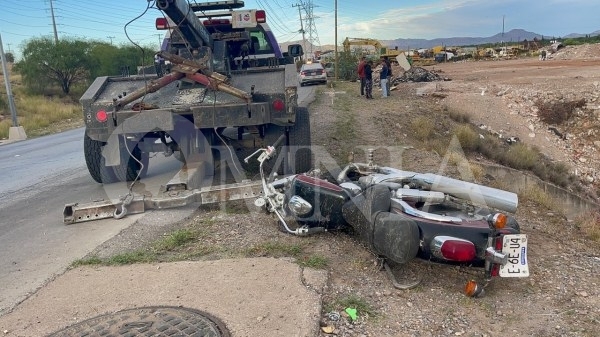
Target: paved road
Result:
[[37, 178]]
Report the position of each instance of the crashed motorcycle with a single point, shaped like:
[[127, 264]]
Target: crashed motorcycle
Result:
[[402, 215]]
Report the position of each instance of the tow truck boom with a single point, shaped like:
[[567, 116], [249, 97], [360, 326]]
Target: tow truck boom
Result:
[[192, 29]]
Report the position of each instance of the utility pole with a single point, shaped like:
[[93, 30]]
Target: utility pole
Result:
[[336, 63], [110, 37], [53, 22], [301, 5], [159, 41], [16, 132], [503, 35]]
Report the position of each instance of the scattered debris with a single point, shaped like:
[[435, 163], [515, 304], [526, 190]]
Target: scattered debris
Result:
[[558, 133], [418, 74], [328, 329], [512, 140]]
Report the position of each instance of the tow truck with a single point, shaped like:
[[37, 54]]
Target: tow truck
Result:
[[222, 89]]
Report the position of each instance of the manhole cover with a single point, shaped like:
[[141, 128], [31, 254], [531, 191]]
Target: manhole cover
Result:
[[149, 321]]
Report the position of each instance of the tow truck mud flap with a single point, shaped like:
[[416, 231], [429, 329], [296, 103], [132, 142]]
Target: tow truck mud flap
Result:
[[134, 204]]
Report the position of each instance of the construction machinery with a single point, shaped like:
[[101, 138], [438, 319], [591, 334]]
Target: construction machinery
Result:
[[379, 48]]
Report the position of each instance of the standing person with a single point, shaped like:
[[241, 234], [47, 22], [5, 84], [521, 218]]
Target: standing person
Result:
[[361, 74], [369, 79], [389, 81], [383, 78]]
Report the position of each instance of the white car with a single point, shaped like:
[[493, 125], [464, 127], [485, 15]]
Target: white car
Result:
[[312, 73]]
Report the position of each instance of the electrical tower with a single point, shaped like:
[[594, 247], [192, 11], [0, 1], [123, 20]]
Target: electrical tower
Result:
[[311, 28]]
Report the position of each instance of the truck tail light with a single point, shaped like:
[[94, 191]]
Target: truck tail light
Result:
[[162, 23], [261, 17], [101, 116], [453, 249], [278, 105]]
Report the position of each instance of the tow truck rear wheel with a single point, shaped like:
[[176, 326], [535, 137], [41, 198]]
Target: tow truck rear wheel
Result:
[[127, 170], [299, 158], [92, 150], [134, 163]]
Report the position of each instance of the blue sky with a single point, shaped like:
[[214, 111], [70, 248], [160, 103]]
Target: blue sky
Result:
[[380, 19]]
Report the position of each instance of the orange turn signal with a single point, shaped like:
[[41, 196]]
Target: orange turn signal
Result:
[[472, 289], [499, 220]]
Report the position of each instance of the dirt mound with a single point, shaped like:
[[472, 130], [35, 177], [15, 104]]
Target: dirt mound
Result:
[[586, 51]]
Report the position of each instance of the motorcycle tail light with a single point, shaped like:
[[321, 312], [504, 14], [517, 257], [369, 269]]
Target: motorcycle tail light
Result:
[[299, 206], [498, 220], [496, 267], [453, 249]]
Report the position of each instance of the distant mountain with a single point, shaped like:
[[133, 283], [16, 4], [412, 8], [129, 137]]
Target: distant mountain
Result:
[[576, 35], [514, 35]]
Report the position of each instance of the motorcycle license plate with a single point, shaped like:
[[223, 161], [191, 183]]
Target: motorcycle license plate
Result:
[[515, 248]]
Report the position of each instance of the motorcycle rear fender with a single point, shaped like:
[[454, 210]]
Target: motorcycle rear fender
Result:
[[395, 237], [390, 235]]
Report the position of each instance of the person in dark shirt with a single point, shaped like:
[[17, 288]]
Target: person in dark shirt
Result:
[[383, 78], [369, 79]]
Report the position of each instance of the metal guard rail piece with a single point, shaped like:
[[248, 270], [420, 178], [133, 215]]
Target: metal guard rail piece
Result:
[[118, 208]]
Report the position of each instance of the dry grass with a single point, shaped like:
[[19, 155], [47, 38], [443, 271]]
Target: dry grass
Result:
[[459, 117], [590, 225], [557, 112], [422, 128], [521, 157], [40, 115], [467, 137], [537, 195]]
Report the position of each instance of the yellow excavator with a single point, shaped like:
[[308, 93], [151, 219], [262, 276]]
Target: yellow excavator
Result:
[[380, 49]]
